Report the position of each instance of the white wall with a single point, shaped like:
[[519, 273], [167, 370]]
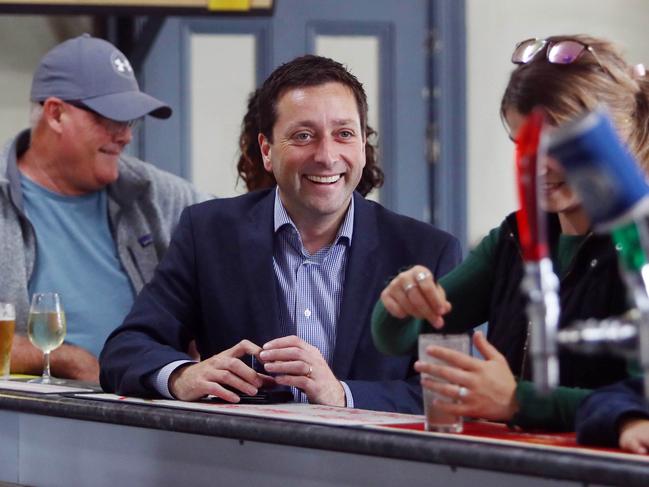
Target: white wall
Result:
[[23, 41], [218, 103], [494, 27]]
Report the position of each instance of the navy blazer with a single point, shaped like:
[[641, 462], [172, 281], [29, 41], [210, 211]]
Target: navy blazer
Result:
[[599, 415], [216, 284]]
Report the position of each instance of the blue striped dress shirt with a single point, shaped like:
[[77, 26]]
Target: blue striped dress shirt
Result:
[[310, 286]]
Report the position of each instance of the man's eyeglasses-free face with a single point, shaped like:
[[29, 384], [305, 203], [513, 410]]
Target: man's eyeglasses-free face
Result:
[[556, 52]]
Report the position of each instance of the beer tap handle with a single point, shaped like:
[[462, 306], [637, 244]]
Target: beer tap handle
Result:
[[540, 284], [531, 224]]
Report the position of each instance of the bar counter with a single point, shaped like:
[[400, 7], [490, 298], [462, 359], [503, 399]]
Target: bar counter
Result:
[[59, 440]]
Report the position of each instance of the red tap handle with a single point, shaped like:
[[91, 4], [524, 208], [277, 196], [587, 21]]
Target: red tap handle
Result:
[[531, 223]]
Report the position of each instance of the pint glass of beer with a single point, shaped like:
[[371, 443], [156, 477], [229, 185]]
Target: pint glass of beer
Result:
[[7, 326]]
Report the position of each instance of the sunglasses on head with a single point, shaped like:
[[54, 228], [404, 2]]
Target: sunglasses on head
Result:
[[556, 52]]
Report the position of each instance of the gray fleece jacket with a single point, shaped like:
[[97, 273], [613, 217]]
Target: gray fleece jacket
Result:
[[144, 205]]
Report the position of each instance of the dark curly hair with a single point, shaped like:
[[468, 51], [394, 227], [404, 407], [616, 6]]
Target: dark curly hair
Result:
[[262, 113]]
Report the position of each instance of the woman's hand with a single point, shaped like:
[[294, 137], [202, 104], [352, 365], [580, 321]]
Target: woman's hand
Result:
[[480, 388], [415, 293]]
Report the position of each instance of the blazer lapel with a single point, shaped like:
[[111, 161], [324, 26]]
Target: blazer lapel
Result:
[[360, 276], [256, 240]]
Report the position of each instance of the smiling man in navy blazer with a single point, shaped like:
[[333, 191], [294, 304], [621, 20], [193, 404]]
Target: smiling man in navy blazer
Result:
[[288, 275]]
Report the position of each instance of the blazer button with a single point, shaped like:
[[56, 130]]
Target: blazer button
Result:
[[593, 263]]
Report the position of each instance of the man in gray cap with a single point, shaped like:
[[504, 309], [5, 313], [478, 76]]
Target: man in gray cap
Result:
[[77, 216]]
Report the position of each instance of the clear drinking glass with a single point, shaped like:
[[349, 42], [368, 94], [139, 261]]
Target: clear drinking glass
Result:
[[437, 420], [46, 328]]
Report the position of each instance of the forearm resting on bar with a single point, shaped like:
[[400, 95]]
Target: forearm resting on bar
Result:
[[67, 361]]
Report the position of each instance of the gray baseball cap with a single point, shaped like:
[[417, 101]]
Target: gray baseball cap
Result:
[[95, 73]]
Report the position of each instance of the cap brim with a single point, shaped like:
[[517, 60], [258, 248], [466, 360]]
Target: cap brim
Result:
[[126, 106]]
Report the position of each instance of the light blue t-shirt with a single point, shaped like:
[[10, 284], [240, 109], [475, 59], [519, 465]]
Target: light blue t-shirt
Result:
[[76, 257]]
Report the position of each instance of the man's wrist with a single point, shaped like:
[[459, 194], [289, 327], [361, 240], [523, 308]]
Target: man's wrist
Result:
[[163, 380]]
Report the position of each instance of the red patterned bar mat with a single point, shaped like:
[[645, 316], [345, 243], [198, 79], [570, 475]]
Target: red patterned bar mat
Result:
[[498, 433]]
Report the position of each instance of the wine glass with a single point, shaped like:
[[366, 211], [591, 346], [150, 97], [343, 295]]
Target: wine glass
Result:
[[46, 328]]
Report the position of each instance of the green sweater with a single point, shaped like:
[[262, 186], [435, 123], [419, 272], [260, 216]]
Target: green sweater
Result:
[[468, 289]]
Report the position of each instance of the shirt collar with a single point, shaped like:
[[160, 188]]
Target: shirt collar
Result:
[[281, 219]]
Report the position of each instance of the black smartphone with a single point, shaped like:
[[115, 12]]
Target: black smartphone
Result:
[[274, 395], [258, 366]]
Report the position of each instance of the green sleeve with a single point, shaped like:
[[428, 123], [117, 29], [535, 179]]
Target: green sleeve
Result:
[[467, 288], [394, 336], [555, 411]]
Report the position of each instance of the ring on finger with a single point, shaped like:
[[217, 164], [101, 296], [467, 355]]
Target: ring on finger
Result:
[[462, 392], [308, 374], [421, 276], [408, 287]]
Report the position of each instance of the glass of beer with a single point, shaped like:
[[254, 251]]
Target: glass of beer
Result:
[[7, 327], [46, 328]]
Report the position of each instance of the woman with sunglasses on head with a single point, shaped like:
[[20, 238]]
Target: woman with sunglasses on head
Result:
[[565, 75]]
